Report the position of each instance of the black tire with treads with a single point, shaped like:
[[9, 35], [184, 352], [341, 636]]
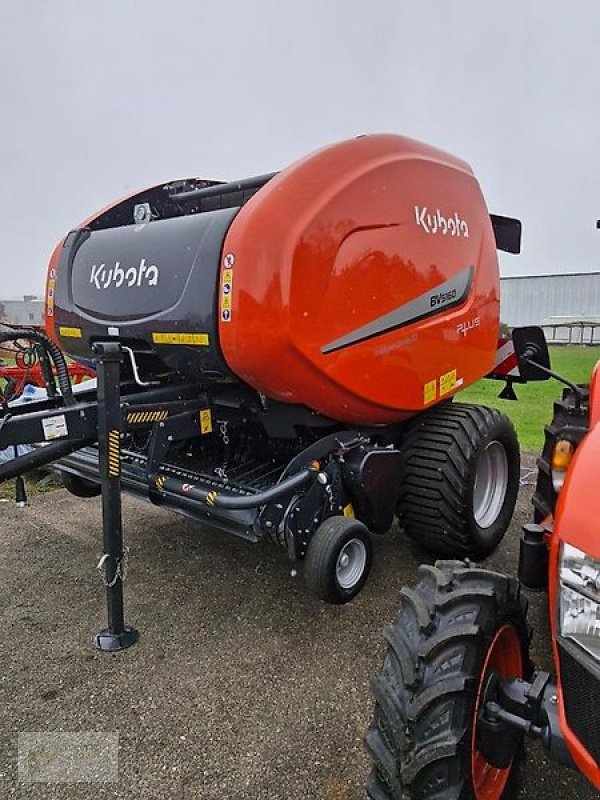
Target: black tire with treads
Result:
[[567, 414], [324, 549], [420, 738], [442, 448], [79, 486]]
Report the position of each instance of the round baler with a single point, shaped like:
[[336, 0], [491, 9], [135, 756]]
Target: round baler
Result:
[[321, 319]]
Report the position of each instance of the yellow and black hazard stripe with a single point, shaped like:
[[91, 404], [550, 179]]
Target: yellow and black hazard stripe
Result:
[[160, 482], [146, 417], [114, 454], [211, 497]]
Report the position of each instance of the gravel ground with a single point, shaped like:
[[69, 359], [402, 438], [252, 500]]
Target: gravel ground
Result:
[[240, 686]]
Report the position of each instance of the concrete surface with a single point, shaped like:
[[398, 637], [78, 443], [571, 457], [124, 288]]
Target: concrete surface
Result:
[[240, 686]]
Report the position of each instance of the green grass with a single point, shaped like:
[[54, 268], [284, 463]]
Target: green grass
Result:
[[7, 356], [8, 360], [533, 409], [35, 483]]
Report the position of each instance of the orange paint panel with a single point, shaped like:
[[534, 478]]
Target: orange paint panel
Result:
[[577, 522], [346, 239]]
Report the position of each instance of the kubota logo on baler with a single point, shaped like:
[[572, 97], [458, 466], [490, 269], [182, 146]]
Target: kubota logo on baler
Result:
[[436, 222], [116, 276]]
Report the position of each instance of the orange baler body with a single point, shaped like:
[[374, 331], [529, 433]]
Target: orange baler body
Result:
[[362, 282]]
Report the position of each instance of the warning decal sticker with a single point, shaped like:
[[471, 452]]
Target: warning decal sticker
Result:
[[73, 333], [50, 293], [226, 289], [201, 339], [429, 392], [54, 427], [448, 382], [205, 421]]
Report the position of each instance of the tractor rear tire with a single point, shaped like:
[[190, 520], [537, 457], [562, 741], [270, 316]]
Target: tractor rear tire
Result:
[[455, 627], [460, 480], [80, 487], [338, 560]]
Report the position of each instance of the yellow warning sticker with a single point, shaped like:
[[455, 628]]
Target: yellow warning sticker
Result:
[[205, 421], [201, 339], [50, 297], [226, 290], [349, 511], [73, 333], [448, 382], [429, 392]]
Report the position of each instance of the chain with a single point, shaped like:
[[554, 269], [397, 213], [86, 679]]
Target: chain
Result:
[[223, 431], [120, 571], [528, 476], [330, 497]]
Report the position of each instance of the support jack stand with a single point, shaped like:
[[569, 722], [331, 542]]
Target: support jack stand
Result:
[[113, 642], [20, 492], [117, 636]]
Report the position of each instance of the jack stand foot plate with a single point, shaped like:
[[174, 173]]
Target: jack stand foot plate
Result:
[[113, 642]]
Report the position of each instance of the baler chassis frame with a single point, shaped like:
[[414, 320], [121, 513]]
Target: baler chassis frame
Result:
[[83, 435]]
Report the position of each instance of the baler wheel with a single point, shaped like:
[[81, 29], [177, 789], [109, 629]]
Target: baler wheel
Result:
[[79, 486], [338, 560], [460, 479], [455, 627]]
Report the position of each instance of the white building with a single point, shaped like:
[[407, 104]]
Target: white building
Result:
[[567, 306], [25, 313]]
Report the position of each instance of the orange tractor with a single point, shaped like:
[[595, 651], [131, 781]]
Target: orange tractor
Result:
[[458, 691]]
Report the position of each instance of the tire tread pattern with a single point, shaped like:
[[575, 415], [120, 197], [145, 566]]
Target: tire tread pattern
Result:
[[420, 739], [319, 566], [440, 449], [564, 413]]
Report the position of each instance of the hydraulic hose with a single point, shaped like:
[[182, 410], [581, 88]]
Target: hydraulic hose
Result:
[[55, 353]]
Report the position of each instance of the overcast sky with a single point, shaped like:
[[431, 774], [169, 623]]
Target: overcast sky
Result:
[[99, 98]]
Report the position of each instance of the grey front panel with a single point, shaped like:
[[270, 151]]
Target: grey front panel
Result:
[[135, 282]]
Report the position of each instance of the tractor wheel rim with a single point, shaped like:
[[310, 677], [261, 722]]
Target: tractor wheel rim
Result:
[[505, 658], [351, 563], [491, 484]]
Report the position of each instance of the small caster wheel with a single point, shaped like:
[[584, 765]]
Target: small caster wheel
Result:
[[338, 560]]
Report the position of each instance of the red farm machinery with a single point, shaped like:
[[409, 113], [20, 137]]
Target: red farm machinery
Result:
[[278, 357]]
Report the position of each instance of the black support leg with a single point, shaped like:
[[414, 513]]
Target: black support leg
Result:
[[117, 636]]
